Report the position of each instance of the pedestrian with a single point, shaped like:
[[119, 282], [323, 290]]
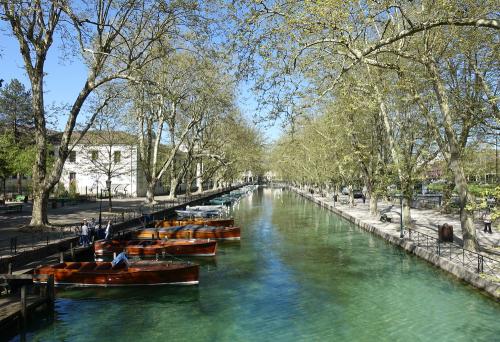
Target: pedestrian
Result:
[[100, 232], [85, 234], [92, 229], [108, 231], [363, 193], [487, 221]]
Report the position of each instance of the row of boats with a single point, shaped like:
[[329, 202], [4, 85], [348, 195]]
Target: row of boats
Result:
[[195, 236]]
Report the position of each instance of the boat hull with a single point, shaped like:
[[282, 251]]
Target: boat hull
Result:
[[188, 232], [141, 248], [102, 274]]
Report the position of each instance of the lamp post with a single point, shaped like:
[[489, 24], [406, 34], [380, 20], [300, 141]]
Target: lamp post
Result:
[[108, 185], [100, 211]]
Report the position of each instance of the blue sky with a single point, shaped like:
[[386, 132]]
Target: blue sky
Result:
[[64, 80]]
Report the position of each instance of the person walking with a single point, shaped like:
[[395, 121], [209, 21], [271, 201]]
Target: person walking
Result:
[[92, 229], [487, 221], [85, 234], [108, 231]]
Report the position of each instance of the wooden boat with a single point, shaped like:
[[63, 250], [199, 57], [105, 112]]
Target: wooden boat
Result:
[[198, 213], [194, 247], [220, 208], [219, 222], [191, 231], [106, 275]]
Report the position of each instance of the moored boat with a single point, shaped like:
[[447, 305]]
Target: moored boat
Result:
[[198, 213], [220, 222], [181, 247], [191, 231], [105, 274]]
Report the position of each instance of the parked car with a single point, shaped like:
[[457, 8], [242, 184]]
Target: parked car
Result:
[[357, 193]]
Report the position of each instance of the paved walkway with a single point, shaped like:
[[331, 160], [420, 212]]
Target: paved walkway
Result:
[[72, 215], [424, 220]]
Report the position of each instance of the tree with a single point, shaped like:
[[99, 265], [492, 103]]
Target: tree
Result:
[[310, 48], [16, 117], [113, 37], [105, 147]]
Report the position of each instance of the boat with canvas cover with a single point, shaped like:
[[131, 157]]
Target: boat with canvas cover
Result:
[[106, 274], [198, 213], [180, 247]]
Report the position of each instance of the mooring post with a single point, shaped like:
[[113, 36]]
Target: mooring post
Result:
[[72, 251], [50, 291], [24, 312], [61, 257]]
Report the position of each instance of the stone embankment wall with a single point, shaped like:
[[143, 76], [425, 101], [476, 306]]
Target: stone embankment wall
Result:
[[459, 271]]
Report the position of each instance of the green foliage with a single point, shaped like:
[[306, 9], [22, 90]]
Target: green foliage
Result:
[[60, 190], [72, 190], [15, 157]]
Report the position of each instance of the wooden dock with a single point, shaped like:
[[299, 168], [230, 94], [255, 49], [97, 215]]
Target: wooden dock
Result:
[[16, 306]]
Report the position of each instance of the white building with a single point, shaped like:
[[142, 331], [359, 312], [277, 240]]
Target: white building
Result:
[[94, 159]]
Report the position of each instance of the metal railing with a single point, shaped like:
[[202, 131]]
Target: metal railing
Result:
[[30, 241], [474, 261]]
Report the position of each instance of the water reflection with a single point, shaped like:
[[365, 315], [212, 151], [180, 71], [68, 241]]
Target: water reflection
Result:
[[299, 273]]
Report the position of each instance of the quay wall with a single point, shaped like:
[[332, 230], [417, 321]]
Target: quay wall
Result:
[[489, 287]]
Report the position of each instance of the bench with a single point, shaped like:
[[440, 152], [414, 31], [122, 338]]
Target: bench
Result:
[[385, 215], [11, 208]]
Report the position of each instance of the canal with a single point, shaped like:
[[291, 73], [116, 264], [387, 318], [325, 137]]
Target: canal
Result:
[[300, 273]]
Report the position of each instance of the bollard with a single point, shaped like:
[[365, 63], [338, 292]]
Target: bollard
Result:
[[51, 294]]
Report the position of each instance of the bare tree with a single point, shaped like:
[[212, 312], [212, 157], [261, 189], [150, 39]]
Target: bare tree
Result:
[[113, 37]]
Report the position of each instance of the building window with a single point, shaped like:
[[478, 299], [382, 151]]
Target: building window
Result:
[[72, 156], [72, 177], [93, 155], [117, 156]]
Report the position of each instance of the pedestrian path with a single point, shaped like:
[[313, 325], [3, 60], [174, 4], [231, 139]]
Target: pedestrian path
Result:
[[481, 269], [424, 220], [64, 219]]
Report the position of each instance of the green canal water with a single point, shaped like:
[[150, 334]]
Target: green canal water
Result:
[[300, 273]]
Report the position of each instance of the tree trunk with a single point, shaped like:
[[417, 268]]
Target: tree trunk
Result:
[[173, 181], [406, 211], [373, 203], [40, 190], [199, 178], [39, 215], [173, 187], [19, 183], [351, 196], [466, 216], [150, 192]]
